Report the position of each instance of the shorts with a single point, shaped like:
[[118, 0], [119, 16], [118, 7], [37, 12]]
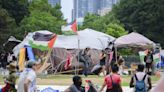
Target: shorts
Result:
[[148, 65]]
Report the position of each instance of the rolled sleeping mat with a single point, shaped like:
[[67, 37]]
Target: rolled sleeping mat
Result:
[[30, 53]]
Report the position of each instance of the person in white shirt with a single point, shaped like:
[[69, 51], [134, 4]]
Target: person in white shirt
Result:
[[140, 76], [27, 79]]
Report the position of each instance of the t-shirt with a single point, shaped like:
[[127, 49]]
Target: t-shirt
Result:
[[30, 75], [116, 79], [140, 76]]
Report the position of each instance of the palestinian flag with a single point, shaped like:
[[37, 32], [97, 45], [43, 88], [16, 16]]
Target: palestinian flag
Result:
[[70, 29], [43, 41], [42, 37]]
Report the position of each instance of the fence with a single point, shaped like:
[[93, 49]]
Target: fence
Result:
[[132, 59]]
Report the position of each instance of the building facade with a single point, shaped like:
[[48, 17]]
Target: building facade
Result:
[[100, 7], [54, 2]]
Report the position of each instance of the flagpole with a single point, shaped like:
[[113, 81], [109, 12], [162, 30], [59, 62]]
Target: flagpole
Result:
[[78, 50], [78, 41]]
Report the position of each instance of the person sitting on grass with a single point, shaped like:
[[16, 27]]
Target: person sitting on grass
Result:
[[76, 86]]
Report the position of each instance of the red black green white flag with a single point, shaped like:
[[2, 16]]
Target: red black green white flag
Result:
[[70, 29]]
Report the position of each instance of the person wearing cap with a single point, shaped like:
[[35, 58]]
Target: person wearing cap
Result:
[[27, 79], [10, 80]]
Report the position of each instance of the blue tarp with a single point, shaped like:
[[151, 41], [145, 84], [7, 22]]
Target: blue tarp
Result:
[[49, 89], [30, 53]]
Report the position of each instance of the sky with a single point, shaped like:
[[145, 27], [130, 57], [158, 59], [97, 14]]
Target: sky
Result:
[[67, 6]]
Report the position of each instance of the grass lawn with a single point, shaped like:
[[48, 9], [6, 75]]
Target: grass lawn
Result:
[[67, 80]]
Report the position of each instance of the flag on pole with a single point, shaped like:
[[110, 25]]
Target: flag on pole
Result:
[[70, 29], [74, 26]]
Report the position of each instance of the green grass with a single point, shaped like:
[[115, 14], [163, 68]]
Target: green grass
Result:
[[67, 79], [98, 80]]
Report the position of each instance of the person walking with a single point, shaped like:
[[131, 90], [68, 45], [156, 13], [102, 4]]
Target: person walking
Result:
[[112, 81], [141, 81], [27, 79]]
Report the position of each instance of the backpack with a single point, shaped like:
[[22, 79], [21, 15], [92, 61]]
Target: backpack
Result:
[[149, 60], [115, 87], [140, 85]]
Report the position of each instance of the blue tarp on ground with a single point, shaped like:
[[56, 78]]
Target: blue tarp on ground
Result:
[[49, 89]]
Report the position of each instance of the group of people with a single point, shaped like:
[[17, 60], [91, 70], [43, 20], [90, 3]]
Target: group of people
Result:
[[107, 58], [141, 81], [26, 79]]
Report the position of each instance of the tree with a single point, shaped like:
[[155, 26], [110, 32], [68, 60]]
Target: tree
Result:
[[17, 9], [108, 24], [42, 17], [143, 16], [115, 30], [93, 21], [7, 26], [40, 21]]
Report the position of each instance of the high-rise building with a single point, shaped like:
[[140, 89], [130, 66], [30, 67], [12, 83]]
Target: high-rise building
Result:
[[82, 7], [54, 2], [107, 3]]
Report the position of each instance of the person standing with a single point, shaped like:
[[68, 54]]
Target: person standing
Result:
[[112, 81], [10, 79], [102, 61], [85, 58], [148, 59], [27, 79], [141, 81]]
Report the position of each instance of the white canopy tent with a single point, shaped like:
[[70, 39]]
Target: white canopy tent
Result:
[[84, 38], [133, 40]]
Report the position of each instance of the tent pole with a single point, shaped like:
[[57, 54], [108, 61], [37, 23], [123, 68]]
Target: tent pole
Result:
[[116, 55]]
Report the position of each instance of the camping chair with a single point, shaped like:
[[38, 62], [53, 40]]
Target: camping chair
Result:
[[133, 68]]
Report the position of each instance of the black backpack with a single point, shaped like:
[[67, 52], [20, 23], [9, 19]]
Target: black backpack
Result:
[[115, 87]]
